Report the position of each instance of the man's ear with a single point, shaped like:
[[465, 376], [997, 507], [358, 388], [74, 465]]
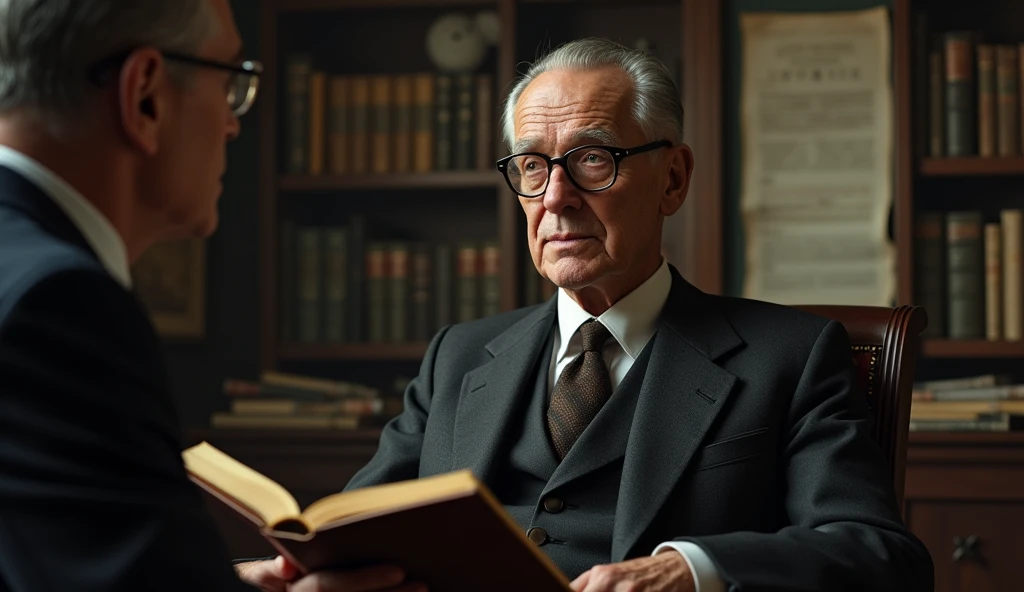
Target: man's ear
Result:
[[142, 93], [680, 168]]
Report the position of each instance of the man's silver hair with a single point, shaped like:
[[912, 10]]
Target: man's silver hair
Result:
[[48, 47], [656, 104]]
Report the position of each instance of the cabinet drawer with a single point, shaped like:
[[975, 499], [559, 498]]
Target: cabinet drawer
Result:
[[975, 546]]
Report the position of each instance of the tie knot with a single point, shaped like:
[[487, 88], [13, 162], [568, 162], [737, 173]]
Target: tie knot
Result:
[[594, 335]]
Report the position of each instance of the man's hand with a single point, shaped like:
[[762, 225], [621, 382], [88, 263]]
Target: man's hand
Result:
[[664, 572], [279, 576]]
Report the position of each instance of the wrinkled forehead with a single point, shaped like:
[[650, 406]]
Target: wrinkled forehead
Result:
[[561, 108]]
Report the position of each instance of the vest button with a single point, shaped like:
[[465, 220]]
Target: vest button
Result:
[[539, 536], [553, 505]]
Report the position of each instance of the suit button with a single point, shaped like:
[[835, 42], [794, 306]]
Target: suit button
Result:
[[539, 536], [553, 505]]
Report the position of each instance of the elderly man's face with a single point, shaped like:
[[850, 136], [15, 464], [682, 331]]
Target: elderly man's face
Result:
[[580, 239]]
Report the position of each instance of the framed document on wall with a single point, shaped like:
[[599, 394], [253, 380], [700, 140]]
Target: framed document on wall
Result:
[[170, 278]]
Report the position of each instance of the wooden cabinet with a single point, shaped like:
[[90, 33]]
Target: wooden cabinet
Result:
[[965, 500]]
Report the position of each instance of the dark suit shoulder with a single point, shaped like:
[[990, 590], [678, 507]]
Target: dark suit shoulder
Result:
[[756, 320], [28, 256], [472, 336]]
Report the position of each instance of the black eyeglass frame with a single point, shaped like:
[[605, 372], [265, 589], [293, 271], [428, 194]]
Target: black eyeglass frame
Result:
[[617, 155], [253, 68]]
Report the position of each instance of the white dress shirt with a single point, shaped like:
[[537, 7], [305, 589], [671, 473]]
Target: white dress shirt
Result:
[[94, 226], [632, 322]]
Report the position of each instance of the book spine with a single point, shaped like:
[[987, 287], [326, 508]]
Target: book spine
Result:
[[443, 107], [376, 291], [468, 274], [403, 125], [317, 121], [490, 280], [338, 139], [920, 83], [288, 265], [442, 286], [1009, 96], [961, 117], [381, 124], [399, 296], [297, 128], [993, 283], [1013, 232], [357, 278], [336, 284], [937, 99], [965, 269], [420, 289], [310, 276], [423, 123], [930, 269], [463, 141], [360, 135], [986, 61]]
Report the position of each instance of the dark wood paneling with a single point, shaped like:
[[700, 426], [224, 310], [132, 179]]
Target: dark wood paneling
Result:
[[968, 484]]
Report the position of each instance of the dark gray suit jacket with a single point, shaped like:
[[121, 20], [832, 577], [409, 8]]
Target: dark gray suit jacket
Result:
[[93, 492], [749, 439]]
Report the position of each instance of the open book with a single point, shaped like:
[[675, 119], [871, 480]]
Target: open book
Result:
[[447, 531]]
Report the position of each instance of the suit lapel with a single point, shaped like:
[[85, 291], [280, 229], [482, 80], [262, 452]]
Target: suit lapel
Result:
[[682, 394], [492, 393]]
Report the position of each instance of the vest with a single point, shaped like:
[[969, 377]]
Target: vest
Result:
[[568, 508]]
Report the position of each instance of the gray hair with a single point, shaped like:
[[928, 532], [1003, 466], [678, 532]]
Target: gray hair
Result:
[[47, 47], [656, 104]]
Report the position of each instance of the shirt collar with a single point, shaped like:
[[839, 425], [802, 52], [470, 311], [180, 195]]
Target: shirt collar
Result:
[[94, 226], [632, 320]]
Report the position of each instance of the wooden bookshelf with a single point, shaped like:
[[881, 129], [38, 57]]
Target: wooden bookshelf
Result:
[[439, 180], [972, 166], [353, 351]]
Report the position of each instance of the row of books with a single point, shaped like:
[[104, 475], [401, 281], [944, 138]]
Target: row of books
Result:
[[989, 402], [972, 95], [968, 274], [282, 400], [340, 287], [349, 124]]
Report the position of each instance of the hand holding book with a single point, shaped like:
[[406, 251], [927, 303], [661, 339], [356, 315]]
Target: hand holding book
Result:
[[279, 575]]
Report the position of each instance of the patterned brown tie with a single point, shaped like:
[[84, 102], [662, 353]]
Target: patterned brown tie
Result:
[[581, 390]]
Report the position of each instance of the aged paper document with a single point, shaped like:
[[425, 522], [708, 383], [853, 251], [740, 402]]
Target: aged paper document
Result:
[[817, 129]]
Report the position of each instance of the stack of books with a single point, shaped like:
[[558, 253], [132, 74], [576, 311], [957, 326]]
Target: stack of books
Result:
[[280, 400], [988, 402]]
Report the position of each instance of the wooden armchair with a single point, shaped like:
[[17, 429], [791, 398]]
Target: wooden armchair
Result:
[[886, 342]]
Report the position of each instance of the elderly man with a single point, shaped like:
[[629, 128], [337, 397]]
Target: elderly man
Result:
[[646, 435], [114, 115]]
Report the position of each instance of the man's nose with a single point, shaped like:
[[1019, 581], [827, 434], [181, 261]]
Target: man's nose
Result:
[[561, 193]]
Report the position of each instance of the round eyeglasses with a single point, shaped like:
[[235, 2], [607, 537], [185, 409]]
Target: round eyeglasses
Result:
[[590, 168], [242, 86]]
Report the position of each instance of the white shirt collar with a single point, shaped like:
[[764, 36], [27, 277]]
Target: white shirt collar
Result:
[[632, 320], [94, 226]]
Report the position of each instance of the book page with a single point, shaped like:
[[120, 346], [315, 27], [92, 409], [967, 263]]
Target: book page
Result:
[[817, 129]]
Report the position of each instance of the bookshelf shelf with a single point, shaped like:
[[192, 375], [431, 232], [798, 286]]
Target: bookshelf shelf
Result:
[[972, 348], [442, 180], [972, 166], [353, 351], [285, 6]]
